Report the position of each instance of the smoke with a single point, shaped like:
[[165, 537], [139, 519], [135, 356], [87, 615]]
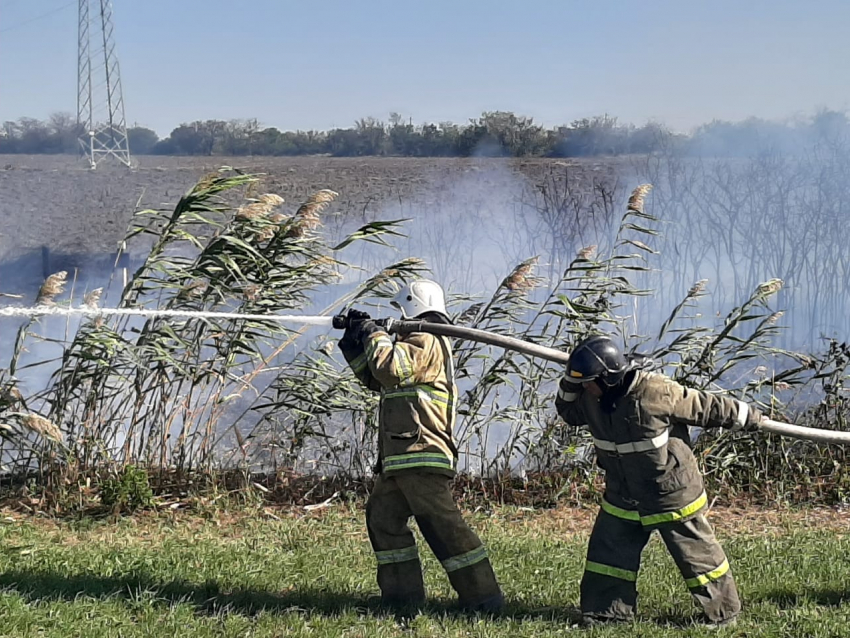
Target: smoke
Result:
[[734, 216], [473, 222], [741, 203]]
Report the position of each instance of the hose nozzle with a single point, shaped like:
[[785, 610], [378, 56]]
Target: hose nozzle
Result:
[[341, 322]]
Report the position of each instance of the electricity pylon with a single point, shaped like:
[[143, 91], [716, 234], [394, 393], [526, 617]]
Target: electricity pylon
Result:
[[100, 103]]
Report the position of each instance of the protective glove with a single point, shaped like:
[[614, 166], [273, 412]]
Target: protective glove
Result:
[[367, 328], [570, 384], [351, 336], [754, 417], [568, 389]]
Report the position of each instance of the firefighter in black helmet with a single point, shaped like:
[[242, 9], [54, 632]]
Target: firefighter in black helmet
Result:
[[598, 358], [639, 422]]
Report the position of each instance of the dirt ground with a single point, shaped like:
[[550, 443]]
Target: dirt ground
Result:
[[56, 201]]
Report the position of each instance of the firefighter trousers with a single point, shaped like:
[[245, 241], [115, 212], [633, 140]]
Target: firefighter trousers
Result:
[[608, 586], [427, 497]]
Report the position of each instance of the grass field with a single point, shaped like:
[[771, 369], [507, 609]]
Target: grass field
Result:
[[295, 573]]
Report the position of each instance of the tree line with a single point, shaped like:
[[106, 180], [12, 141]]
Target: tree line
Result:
[[496, 133]]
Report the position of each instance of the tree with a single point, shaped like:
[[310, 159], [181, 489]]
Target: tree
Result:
[[599, 135], [197, 138], [34, 137], [64, 131], [343, 142], [404, 140], [238, 137], [372, 136], [494, 133], [830, 125], [142, 140], [473, 138], [515, 135]]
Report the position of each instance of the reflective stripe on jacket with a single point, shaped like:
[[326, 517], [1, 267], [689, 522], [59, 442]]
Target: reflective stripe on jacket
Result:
[[415, 376], [643, 444]]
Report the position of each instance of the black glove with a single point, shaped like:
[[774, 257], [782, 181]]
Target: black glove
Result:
[[754, 417], [351, 336], [365, 329], [570, 385], [568, 389]]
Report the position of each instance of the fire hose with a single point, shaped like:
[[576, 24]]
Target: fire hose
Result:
[[397, 326]]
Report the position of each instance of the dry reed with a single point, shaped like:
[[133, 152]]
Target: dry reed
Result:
[[52, 287], [636, 201]]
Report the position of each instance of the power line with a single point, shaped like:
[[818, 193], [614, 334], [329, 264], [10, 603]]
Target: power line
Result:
[[99, 85], [40, 17]]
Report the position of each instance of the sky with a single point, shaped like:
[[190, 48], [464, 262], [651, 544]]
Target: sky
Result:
[[320, 64]]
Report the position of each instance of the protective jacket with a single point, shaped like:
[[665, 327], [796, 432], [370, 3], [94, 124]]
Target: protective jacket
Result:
[[417, 458], [642, 443], [415, 376]]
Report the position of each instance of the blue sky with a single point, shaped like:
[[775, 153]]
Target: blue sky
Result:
[[324, 63]]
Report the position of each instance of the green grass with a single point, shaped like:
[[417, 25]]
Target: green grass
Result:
[[222, 574]]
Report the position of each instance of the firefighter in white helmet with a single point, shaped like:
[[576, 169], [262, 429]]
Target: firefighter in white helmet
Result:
[[417, 454]]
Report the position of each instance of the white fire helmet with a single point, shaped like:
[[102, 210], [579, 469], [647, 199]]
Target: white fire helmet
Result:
[[420, 296]]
